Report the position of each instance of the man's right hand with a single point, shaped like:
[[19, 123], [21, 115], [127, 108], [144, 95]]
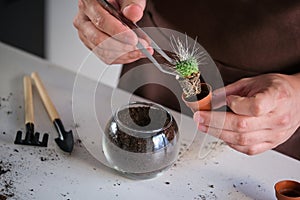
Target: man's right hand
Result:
[[101, 32]]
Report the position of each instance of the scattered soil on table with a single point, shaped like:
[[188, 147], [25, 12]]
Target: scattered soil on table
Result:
[[7, 187], [15, 167], [4, 100], [7, 98], [16, 161], [3, 169], [5, 104]]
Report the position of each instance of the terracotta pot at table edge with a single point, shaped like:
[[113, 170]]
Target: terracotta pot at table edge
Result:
[[287, 190]]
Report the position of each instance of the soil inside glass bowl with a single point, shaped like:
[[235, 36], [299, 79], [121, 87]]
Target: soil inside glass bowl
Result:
[[142, 119]]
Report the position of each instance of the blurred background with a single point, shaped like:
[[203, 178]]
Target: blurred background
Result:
[[45, 28]]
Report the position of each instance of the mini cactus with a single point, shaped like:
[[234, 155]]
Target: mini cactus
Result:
[[187, 68], [187, 62], [187, 58]]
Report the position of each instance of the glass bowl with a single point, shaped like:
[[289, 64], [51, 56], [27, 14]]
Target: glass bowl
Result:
[[141, 140]]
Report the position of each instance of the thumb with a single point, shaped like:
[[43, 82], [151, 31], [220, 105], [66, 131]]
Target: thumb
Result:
[[133, 9]]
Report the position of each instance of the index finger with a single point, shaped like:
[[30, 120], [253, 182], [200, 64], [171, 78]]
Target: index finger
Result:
[[257, 105], [234, 122], [107, 23]]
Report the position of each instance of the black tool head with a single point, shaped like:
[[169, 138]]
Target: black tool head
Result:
[[31, 138], [65, 141]]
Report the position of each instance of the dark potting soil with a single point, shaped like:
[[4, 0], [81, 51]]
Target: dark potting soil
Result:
[[291, 193], [137, 120], [144, 118], [139, 115]]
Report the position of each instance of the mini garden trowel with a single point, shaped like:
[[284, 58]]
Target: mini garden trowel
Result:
[[65, 139]]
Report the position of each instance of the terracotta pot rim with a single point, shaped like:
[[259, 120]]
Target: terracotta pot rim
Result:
[[286, 185]]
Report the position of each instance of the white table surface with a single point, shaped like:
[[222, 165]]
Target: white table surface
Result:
[[48, 173]]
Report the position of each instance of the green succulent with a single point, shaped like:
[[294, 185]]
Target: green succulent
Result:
[[186, 68]]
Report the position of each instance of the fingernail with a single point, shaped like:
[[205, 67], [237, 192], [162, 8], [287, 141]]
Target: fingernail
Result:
[[125, 10], [133, 11], [197, 118], [150, 50], [136, 7]]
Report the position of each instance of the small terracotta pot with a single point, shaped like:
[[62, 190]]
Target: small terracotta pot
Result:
[[204, 99], [287, 190]]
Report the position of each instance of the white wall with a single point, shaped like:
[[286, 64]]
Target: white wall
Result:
[[63, 46]]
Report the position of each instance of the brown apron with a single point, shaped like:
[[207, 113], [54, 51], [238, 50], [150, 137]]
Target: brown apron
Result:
[[245, 38]]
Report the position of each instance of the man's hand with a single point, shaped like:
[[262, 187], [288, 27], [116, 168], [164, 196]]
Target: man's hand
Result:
[[266, 112], [101, 32]]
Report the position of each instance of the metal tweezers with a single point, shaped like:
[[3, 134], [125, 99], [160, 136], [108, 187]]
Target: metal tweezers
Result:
[[133, 26]]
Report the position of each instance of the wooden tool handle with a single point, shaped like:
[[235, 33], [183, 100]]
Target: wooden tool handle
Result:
[[29, 113], [52, 112]]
